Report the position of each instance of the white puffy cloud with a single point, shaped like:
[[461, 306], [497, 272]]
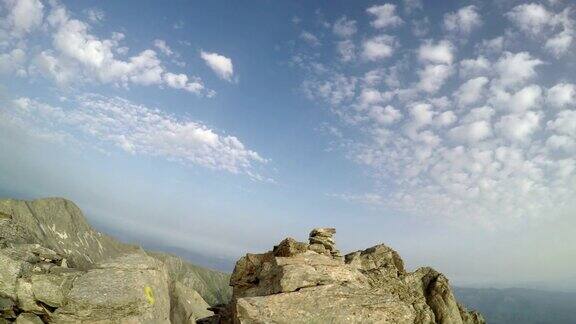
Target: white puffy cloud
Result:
[[433, 77], [344, 27], [519, 127], [220, 64], [558, 29], [24, 15], [472, 132], [516, 68], [370, 96], [560, 43], [77, 56], [562, 95], [446, 118], [13, 61], [385, 115], [163, 47], [531, 17], [526, 98], [471, 91], [422, 114], [384, 16], [463, 21], [137, 129], [335, 90], [441, 52], [379, 47], [474, 67], [565, 123], [499, 141]]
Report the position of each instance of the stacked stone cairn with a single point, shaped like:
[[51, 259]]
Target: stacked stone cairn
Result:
[[322, 241]]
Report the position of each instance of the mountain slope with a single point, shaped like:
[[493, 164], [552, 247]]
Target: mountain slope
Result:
[[58, 226]]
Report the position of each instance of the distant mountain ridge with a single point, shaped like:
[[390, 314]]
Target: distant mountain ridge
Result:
[[47, 245]]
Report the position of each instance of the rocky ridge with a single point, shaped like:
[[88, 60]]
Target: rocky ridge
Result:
[[300, 282], [55, 268]]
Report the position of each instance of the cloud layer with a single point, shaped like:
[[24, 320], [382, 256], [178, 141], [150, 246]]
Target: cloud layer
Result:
[[76, 55], [135, 129], [478, 134]]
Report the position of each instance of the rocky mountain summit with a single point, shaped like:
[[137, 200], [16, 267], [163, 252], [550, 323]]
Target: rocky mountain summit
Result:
[[298, 282], [55, 268]]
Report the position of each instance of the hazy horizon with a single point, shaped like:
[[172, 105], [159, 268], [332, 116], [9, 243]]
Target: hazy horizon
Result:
[[444, 130]]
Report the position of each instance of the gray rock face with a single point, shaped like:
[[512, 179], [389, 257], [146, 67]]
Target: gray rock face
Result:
[[58, 224], [303, 283], [131, 288], [28, 318], [54, 268]]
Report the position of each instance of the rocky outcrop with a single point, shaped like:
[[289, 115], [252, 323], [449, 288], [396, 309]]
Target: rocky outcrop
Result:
[[311, 283], [54, 268]]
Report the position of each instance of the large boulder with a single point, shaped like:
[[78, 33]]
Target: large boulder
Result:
[[187, 306], [267, 273], [132, 288]]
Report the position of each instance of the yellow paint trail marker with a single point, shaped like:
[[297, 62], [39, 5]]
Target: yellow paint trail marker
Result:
[[149, 295]]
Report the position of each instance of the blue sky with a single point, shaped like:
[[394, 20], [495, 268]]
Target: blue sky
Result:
[[446, 130]]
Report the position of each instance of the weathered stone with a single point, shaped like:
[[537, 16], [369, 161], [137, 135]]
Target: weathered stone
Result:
[[116, 292], [264, 274], [28, 318], [289, 247], [377, 257], [222, 315], [52, 289], [10, 270], [470, 317], [247, 272], [25, 297], [7, 306], [435, 288], [330, 304], [319, 248], [323, 231], [326, 242], [187, 305]]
